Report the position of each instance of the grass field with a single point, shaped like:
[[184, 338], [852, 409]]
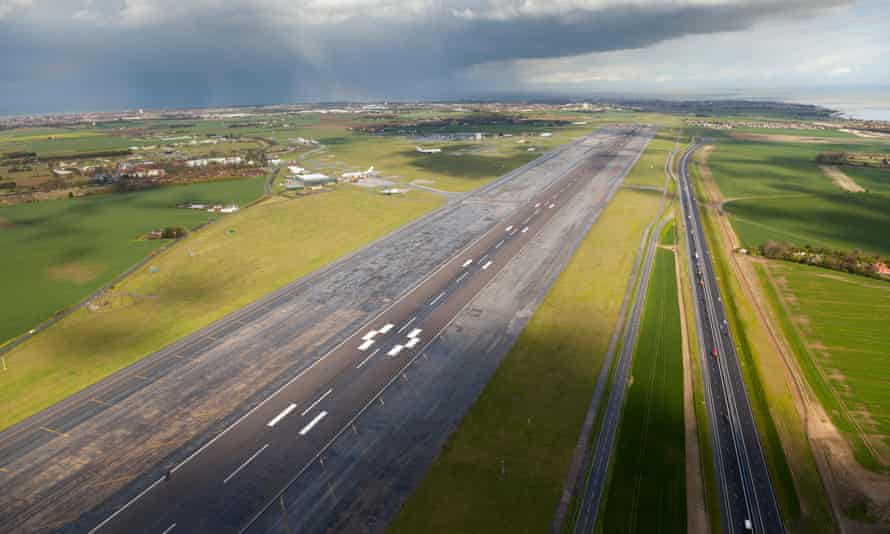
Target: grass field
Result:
[[836, 325], [211, 273], [66, 249], [647, 489], [548, 376]]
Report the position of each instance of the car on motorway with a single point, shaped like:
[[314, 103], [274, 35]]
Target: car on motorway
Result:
[[714, 352], [748, 526]]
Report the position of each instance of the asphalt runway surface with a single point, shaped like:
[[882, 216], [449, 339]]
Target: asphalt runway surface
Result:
[[746, 491], [223, 474]]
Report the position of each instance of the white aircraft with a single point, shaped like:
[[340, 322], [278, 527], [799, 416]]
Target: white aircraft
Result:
[[428, 150], [359, 174]]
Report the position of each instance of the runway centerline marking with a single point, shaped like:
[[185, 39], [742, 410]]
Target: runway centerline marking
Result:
[[438, 297], [368, 357], [282, 415], [486, 266], [312, 423], [406, 325], [169, 529], [243, 465], [314, 404], [461, 277], [499, 245]]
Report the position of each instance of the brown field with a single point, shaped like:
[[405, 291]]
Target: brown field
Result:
[[75, 271], [840, 179]]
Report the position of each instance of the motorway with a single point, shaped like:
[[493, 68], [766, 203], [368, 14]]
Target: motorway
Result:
[[746, 491], [225, 483], [595, 481]]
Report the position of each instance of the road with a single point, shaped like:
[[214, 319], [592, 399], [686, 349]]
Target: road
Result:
[[327, 391], [597, 475], [746, 491]]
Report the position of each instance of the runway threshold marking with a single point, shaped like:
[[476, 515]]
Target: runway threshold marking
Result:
[[412, 342], [395, 350], [406, 325], [281, 415], [169, 529], [312, 423], [314, 404], [243, 465], [369, 336], [386, 328], [366, 345], [414, 333], [438, 297], [367, 358], [486, 266]]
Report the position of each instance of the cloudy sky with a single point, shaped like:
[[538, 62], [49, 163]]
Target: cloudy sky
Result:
[[61, 55]]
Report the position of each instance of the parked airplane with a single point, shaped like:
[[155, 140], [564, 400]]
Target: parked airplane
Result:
[[359, 174]]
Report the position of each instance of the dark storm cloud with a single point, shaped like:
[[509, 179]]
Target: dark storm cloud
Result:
[[148, 53]]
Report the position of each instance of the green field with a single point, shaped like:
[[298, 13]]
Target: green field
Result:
[[836, 324], [212, 272], [776, 191], [548, 378], [64, 250], [647, 488]]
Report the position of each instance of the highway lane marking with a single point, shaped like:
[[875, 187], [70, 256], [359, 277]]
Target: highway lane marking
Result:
[[242, 466], [367, 344], [369, 336], [312, 423], [486, 266], [406, 325], [53, 431], [282, 415], [386, 328], [438, 297], [314, 404], [524, 230], [467, 263], [461, 277], [395, 350], [499, 245], [169, 529], [368, 357], [415, 332]]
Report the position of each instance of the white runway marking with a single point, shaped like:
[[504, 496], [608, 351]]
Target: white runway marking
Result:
[[386, 328], [247, 461], [507, 229], [538, 205], [414, 341], [314, 404], [370, 335], [169, 529], [395, 350], [467, 263], [282, 415], [438, 297], [364, 346], [312, 423], [461, 277], [406, 325], [524, 230], [499, 245], [486, 266], [551, 206], [368, 357], [414, 333]]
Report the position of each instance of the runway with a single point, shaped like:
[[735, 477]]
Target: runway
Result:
[[226, 481]]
